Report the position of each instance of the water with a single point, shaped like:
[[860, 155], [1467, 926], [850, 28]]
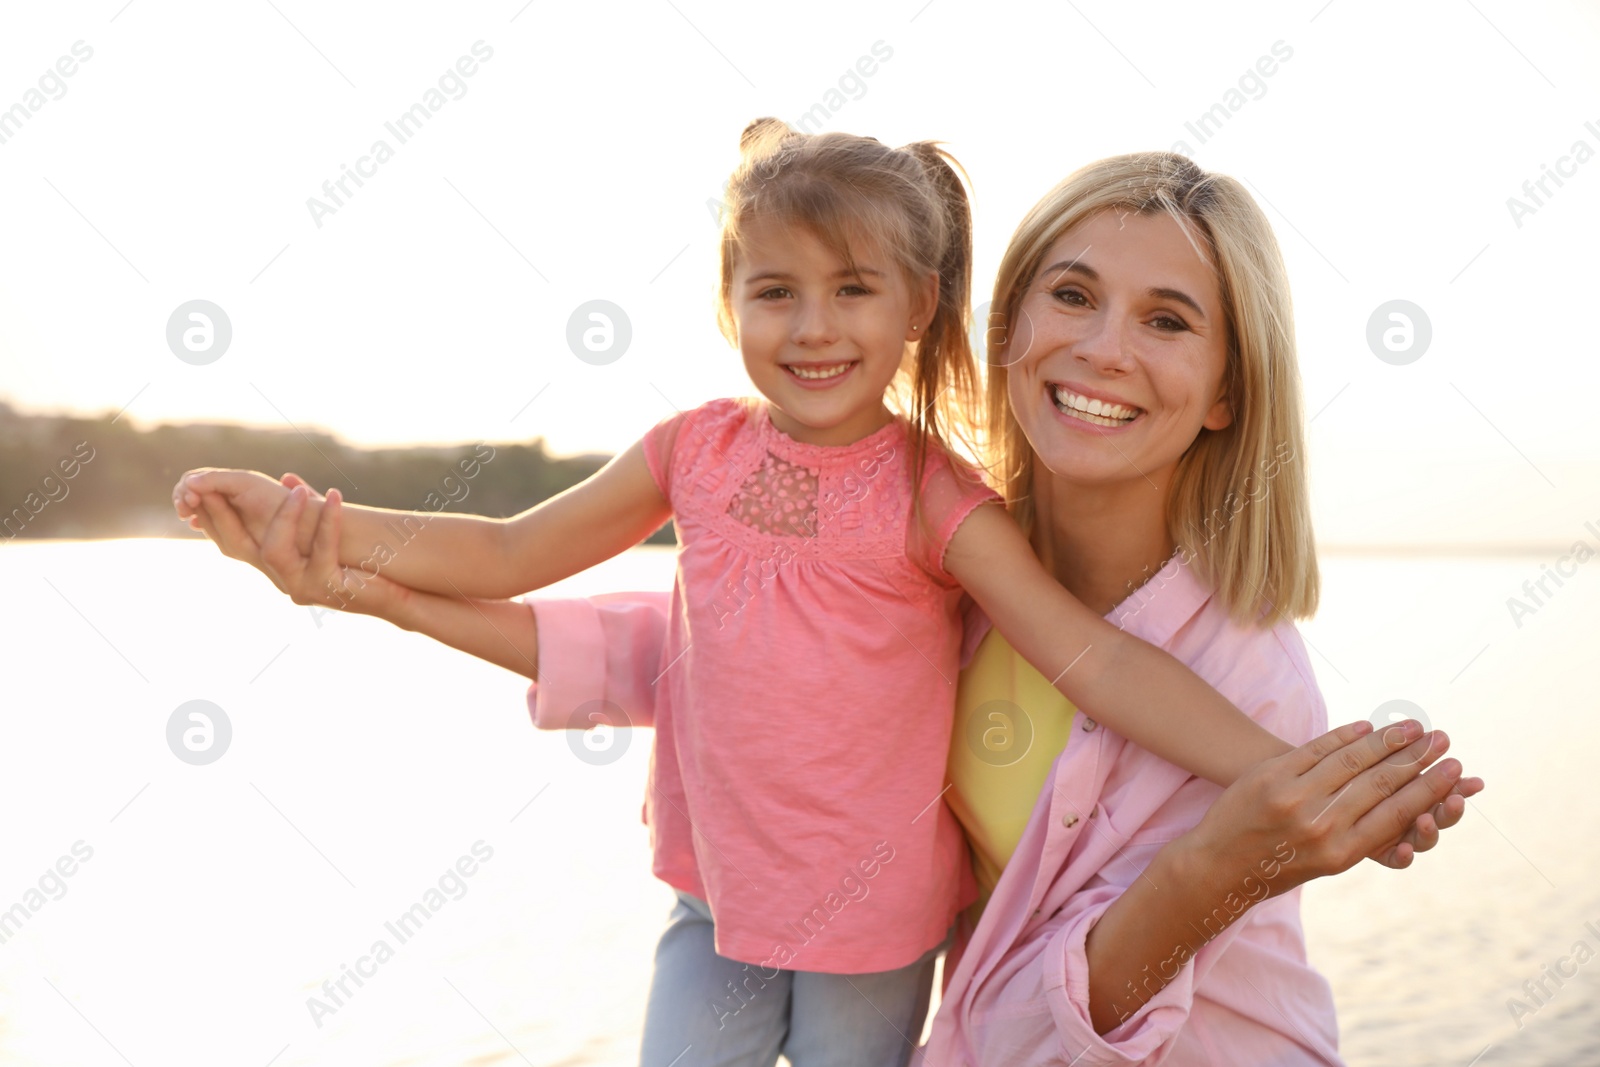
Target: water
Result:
[[365, 762]]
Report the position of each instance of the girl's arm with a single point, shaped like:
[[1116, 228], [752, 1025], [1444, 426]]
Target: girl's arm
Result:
[[1137, 689], [471, 555]]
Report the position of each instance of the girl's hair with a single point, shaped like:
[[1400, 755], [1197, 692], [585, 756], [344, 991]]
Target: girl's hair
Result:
[[910, 203], [1238, 507]]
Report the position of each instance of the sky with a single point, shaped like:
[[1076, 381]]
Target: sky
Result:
[[1442, 154]]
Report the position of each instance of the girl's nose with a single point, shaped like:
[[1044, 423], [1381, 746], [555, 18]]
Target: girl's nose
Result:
[[814, 325]]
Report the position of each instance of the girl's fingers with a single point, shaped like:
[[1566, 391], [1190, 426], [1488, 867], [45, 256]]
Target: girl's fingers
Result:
[[1449, 811]]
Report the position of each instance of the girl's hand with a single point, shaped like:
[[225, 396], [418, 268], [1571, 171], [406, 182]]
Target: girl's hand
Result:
[[1320, 809], [254, 497]]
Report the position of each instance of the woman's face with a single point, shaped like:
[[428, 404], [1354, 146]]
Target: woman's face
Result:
[[1117, 352]]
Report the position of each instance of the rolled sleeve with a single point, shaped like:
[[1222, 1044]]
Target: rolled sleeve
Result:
[[1066, 980], [605, 648], [1159, 1021]]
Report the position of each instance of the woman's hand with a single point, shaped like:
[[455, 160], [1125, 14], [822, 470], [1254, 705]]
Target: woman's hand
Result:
[[298, 551], [1311, 812], [1348, 794]]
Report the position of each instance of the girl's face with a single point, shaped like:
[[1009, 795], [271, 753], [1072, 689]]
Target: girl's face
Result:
[[820, 343], [1117, 352]]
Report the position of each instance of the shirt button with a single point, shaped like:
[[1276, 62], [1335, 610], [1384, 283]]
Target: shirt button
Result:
[[1069, 820], [1088, 724]]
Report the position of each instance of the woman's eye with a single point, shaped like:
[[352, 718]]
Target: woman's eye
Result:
[[773, 293], [1169, 323], [1073, 297]]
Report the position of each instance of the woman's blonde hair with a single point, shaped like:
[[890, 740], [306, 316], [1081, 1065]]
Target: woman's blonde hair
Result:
[[1239, 507], [908, 201]]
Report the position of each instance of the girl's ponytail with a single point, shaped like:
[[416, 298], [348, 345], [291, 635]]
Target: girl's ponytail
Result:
[[762, 135], [945, 388]]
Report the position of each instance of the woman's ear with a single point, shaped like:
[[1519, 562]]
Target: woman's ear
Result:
[[1220, 417]]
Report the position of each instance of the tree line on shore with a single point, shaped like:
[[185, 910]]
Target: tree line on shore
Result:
[[66, 476]]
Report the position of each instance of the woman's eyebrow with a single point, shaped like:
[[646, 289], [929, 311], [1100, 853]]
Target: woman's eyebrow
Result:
[[1072, 265], [1178, 295]]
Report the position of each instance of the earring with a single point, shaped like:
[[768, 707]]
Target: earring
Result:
[[916, 327]]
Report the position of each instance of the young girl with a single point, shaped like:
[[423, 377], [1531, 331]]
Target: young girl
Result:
[[827, 533]]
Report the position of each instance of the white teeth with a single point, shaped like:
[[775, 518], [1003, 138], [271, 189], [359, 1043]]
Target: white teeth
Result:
[[814, 373], [1097, 412], [1097, 420]]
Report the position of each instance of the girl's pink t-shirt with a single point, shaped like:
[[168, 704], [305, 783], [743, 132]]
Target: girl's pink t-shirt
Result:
[[805, 696]]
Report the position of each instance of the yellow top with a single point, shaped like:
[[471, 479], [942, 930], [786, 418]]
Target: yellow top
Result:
[[1010, 725]]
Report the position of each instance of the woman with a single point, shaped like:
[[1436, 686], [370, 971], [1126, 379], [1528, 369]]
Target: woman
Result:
[[1145, 414]]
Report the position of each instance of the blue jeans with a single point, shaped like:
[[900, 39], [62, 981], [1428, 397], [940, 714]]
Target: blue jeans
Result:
[[709, 1011]]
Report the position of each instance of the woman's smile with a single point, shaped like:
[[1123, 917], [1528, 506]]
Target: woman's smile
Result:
[[1081, 405]]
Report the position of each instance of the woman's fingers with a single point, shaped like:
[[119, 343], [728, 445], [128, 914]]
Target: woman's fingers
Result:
[[1426, 832], [1400, 811], [1311, 754], [223, 527], [279, 551], [1339, 767], [1447, 812], [308, 579], [1391, 775], [307, 529], [325, 542]]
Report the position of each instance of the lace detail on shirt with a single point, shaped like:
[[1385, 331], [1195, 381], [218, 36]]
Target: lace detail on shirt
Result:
[[778, 498], [857, 500]]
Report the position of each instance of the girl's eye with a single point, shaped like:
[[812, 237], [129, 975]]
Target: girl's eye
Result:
[[1071, 296], [774, 292], [855, 289]]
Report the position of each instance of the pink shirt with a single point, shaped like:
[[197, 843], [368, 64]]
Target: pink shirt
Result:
[[1016, 990], [806, 692]]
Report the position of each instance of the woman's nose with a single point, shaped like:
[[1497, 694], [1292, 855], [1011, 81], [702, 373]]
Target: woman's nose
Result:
[[1104, 347]]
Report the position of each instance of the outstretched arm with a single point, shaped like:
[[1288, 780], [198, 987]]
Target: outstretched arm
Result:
[[470, 555], [1135, 688], [502, 632]]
